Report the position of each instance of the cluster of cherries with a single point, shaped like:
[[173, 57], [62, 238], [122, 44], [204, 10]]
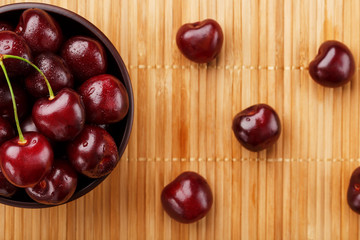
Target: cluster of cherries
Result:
[[188, 198], [72, 100]]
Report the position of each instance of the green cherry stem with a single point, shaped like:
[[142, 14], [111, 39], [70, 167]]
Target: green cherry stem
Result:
[[22, 140], [51, 93]]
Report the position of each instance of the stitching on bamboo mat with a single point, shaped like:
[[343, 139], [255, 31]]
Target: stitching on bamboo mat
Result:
[[192, 159], [226, 67]]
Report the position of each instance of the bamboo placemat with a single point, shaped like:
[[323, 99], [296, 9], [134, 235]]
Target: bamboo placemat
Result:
[[183, 114]]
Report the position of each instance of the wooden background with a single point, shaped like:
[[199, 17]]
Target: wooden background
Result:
[[183, 114]]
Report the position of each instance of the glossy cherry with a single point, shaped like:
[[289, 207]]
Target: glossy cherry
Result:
[[25, 164], [13, 44], [6, 131], [28, 125], [55, 70], [40, 30], [85, 56], [93, 152], [105, 99], [200, 41], [353, 193], [257, 127], [334, 65], [58, 185], [6, 107], [187, 198], [61, 118], [6, 188], [6, 26]]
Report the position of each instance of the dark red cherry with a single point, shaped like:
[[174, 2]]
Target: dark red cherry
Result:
[[257, 127], [6, 131], [55, 70], [93, 152], [28, 125], [334, 65], [24, 165], [188, 198], [40, 30], [6, 105], [61, 118], [353, 193], [6, 188], [13, 44], [105, 99], [5, 26], [200, 41], [58, 185], [85, 56]]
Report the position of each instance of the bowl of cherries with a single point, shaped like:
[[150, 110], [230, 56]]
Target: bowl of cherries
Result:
[[66, 106]]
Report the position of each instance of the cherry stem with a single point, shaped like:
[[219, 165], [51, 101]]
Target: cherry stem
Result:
[[21, 136], [51, 93]]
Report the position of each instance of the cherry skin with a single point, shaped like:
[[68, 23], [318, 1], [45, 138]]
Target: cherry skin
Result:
[[24, 165], [6, 188], [5, 26], [93, 152], [353, 193], [13, 44], [6, 131], [200, 42], [28, 125], [55, 70], [61, 118], [334, 65], [40, 30], [58, 185], [6, 106], [105, 99], [257, 127], [85, 57], [188, 198]]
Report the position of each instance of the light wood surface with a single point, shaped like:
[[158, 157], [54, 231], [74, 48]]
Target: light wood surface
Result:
[[183, 114]]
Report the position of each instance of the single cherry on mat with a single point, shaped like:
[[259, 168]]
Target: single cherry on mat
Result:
[[85, 56], [56, 71], [257, 127], [353, 192], [93, 152], [188, 198], [200, 42], [40, 31], [58, 185], [105, 99], [334, 66], [60, 118]]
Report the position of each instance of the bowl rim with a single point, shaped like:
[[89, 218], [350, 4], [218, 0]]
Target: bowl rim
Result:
[[126, 80]]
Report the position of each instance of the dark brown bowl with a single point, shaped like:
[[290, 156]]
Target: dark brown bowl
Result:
[[77, 25]]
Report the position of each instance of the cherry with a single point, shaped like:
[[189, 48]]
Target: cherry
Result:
[[13, 44], [187, 198], [61, 118], [105, 99], [55, 70], [257, 127], [6, 188], [85, 57], [57, 186], [24, 164], [334, 65], [353, 193], [28, 125], [200, 41], [93, 152], [6, 108], [40, 30], [6, 131]]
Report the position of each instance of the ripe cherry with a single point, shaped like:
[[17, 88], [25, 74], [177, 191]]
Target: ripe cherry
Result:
[[6, 131], [6, 188], [188, 198], [257, 127], [353, 193], [334, 65], [200, 41], [6, 104]]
